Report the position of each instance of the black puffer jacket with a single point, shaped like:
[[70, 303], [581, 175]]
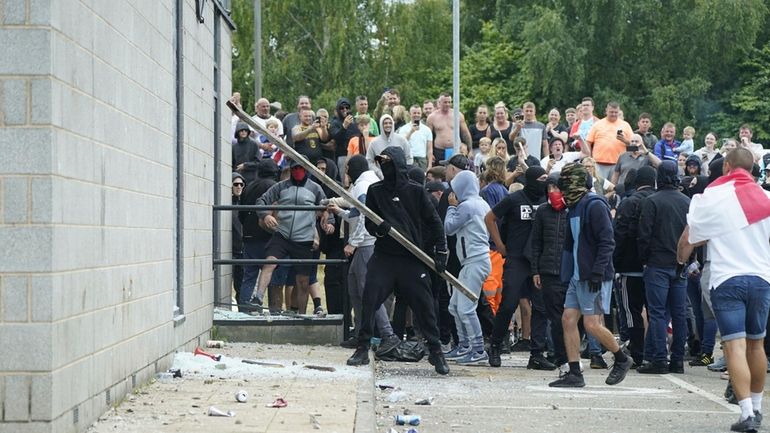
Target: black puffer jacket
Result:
[[626, 225], [548, 233]]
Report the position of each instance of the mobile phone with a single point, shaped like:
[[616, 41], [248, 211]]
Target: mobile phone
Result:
[[620, 132], [550, 156], [416, 123], [632, 148], [318, 119]]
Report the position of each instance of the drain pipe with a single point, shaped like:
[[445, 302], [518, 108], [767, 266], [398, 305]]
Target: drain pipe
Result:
[[179, 169]]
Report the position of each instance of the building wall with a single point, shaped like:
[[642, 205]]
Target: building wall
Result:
[[87, 201]]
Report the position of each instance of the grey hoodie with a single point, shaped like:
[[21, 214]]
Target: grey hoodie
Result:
[[386, 140], [466, 220]]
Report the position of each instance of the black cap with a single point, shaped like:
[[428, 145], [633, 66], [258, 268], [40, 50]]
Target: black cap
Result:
[[435, 186], [460, 161]]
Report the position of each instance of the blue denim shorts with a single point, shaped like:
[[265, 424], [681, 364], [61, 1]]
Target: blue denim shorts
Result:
[[589, 303], [741, 306]]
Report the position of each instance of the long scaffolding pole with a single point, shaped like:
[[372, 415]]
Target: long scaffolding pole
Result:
[[342, 192]]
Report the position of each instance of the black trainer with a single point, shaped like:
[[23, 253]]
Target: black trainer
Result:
[[676, 367], [494, 355], [523, 345], [539, 362], [387, 344], [569, 380], [598, 362], [437, 360], [360, 356], [747, 425], [618, 372], [654, 367], [758, 417], [350, 343]]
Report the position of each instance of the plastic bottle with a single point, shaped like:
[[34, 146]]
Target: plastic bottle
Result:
[[408, 419]]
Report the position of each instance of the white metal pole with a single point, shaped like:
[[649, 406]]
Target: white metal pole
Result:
[[456, 72]]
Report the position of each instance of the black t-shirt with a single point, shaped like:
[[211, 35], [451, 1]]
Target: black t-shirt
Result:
[[518, 213], [531, 161], [310, 147], [505, 134]]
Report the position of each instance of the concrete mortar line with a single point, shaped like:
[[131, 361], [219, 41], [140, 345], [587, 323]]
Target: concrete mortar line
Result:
[[702, 393], [365, 419], [551, 408]]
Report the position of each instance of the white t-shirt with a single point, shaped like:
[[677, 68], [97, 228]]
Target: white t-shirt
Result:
[[262, 122], [418, 141], [742, 252], [566, 158]]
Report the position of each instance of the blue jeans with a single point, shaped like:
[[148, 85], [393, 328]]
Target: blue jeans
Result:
[[705, 328], [741, 306], [252, 249], [666, 297]]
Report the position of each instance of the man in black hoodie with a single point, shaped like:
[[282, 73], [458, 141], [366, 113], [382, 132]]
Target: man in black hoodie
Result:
[[244, 149], [405, 206], [517, 210], [627, 262], [341, 130], [661, 223]]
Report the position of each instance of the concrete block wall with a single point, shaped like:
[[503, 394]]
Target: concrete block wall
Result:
[[87, 201]]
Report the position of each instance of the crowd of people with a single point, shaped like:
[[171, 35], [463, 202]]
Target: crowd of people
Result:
[[569, 233]]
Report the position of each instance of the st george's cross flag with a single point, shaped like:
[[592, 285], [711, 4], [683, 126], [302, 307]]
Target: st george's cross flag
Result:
[[729, 204]]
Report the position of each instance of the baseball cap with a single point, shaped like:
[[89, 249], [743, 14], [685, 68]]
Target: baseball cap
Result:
[[435, 186], [460, 161]]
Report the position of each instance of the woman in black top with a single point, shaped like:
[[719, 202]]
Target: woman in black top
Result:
[[480, 129], [501, 127]]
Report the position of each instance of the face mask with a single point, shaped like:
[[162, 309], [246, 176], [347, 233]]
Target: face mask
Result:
[[298, 174], [388, 171], [556, 198]]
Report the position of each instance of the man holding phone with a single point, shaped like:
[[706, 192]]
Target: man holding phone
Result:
[[636, 156], [603, 141], [419, 137]]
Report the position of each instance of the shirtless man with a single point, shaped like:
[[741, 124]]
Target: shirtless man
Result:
[[441, 123]]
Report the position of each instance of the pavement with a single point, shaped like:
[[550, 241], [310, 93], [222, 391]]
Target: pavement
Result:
[[366, 399]]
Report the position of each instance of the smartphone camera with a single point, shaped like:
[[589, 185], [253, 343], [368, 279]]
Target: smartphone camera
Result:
[[632, 148], [620, 132]]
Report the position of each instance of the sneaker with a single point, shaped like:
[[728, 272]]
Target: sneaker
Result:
[[758, 417], [703, 360], [350, 343], [618, 372], [676, 367], [457, 353], [747, 425], [446, 348], [538, 362], [360, 356], [387, 344], [521, 346], [569, 380], [494, 355], [319, 312], [719, 365], [474, 358], [725, 375], [597, 362], [654, 367], [437, 360]]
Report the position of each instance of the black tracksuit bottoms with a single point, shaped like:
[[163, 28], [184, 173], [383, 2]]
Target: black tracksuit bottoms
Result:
[[518, 284], [410, 280]]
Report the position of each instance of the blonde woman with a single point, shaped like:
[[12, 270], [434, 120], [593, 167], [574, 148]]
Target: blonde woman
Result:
[[602, 186]]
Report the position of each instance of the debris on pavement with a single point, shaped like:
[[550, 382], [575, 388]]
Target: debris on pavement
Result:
[[215, 344], [408, 419], [320, 368], [241, 396], [199, 351], [262, 363], [314, 422], [278, 403], [213, 411], [424, 401], [397, 396]]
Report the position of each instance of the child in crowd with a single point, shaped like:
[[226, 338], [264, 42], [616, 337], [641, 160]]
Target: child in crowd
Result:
[[264, 144], [479, 161], [464, 150], [687, 146]]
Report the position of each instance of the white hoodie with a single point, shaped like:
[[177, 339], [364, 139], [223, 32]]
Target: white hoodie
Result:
[[359, 237]]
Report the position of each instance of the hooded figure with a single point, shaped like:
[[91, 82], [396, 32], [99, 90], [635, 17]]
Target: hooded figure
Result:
[[357, 165], [388, 138], [244, 149], [534, 188], [416, 175], [340, 133], [693, 184], [574, 183], [667, 175]]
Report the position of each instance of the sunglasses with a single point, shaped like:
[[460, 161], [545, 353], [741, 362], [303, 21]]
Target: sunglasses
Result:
[[238, 184]]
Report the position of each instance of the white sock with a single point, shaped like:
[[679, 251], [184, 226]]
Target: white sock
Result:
[[756, 401], [746, 408]]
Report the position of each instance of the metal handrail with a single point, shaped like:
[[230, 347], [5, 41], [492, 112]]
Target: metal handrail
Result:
[[267, 207], [280, 261]]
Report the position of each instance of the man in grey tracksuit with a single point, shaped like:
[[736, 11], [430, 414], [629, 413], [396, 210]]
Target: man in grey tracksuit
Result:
[[465, 219], [294, 231], [361, 246]]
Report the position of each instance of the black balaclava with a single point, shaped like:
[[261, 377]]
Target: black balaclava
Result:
[[534, 188], [645, 176], [668, 175], [357, 165], [416, 175], [268, 169]]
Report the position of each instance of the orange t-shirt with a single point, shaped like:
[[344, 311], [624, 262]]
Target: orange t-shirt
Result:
[[353, 145], [606, 148]]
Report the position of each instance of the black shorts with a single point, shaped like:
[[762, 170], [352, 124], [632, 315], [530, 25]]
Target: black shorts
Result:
[[282, 248]]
